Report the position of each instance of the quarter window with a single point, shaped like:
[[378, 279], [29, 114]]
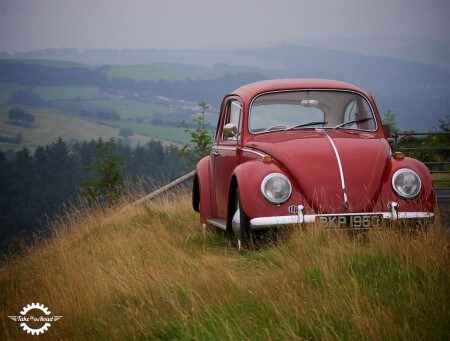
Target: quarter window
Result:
[[234, 114]]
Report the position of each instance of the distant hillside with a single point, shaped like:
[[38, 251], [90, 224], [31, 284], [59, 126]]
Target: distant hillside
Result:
[[48, 62], [159, 71], [152, 273], [434, 52], [50, 125], [419, 93]]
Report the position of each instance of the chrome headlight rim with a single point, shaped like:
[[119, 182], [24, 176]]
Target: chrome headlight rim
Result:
[[267, 178], [394, 177]]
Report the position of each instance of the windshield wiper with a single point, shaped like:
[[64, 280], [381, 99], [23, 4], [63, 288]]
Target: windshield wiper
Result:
[[361, 120], [307, 125]]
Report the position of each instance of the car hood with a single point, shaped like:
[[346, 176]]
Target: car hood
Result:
[[311, 159]]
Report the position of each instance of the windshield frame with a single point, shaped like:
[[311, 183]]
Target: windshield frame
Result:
[[308, 128]]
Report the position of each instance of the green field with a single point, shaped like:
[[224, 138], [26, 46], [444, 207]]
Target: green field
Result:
[[64, 92], [48, 62], [127, 108], [7, 89], [161, 71], [172, 134], [50, 125]]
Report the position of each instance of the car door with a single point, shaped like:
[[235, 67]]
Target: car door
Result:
[[224, 154]]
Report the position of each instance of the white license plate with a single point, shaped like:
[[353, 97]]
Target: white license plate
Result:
[[352, 221]]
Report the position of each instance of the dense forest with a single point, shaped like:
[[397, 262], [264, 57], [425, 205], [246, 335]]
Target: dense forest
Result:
[[36, 186]]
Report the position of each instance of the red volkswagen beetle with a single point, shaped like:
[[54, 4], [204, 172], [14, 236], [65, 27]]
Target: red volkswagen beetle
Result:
[[295, 151]]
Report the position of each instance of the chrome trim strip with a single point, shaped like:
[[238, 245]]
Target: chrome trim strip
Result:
[[403, 215], [263, 222], [341, 172], [233, 102], [248, 150], [217, 223], [345, 200], [226, 148]]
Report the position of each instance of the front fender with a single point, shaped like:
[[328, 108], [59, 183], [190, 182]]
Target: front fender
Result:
[[248, 177], [425, 201]]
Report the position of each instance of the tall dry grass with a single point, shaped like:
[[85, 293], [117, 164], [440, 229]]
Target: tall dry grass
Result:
[[152, 272]]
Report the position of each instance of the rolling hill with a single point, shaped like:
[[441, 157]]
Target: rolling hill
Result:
[[158, 71], [51, 124], [151, 272], [417, 92]]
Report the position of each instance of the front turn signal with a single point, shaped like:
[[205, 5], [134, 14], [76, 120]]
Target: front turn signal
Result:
[[267, 159], [399, 156]]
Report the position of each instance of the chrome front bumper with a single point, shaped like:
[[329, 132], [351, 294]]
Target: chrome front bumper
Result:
[[300, 217]]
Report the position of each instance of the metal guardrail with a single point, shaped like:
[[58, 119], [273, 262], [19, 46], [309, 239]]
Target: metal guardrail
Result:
[[442, 193], [160, 191]]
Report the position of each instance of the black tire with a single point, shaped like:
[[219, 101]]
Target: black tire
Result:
[[243, 237]]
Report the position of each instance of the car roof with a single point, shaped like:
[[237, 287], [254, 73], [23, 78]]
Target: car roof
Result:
[[249, 91]]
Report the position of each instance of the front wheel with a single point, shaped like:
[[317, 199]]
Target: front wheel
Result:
[[241, 225]]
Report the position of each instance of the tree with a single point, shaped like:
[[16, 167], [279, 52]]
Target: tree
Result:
[[18, 115], [203, 107], [108, 184], [390, 119], [14, 114], [126, 132], [28, 118], [444, 124], [27, 97], [201, 140]]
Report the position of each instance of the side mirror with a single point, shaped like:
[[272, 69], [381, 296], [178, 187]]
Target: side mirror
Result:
[[229, 131]]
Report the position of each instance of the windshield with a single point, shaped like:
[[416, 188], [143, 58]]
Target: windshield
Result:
[[291, 110]]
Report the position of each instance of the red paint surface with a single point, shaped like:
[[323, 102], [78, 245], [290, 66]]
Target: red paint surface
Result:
[[307, 158]]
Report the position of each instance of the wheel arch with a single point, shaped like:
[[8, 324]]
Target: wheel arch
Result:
[[195, 194], [425, 200], [247, 177], [231, 204]]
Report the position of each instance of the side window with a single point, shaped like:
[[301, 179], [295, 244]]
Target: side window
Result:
[[234, 113]]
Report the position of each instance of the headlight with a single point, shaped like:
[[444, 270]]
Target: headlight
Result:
[[276, 188], [406, 183]]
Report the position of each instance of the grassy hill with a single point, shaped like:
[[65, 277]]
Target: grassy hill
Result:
[[157, 71], [151, 272], [7, 89], [49, 62], [64, 92], [50, 125]]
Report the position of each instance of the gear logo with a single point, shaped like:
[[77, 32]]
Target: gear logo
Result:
[[28, 320]]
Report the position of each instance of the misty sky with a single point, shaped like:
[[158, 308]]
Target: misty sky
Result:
[[36, 24]]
